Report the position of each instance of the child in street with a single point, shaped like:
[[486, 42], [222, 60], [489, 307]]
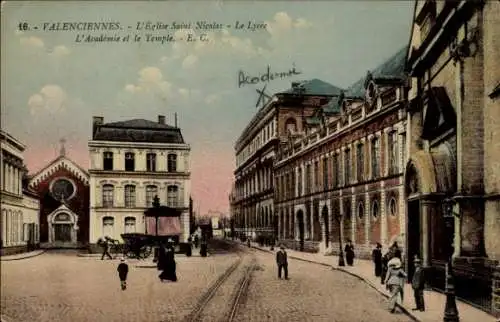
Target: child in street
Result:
[[122, 273]]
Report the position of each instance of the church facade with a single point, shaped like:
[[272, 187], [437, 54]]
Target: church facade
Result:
[[63, 187]]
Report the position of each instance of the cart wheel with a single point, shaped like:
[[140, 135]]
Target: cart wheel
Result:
[[146, 251]]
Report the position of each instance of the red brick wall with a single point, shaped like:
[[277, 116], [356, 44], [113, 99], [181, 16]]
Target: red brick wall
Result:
[[79, 204]]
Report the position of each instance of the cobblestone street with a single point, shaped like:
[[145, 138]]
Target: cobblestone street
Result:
[[313, 293], [63, 287]]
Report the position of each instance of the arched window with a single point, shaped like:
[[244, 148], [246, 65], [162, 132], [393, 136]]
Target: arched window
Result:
[[62, 218], [291, 125], [393, 209], [151, 192], [361, 210], [375, 210], [172, 162], [107, 195], [130, 225], [130, 196], [173, 196], [108, 224]]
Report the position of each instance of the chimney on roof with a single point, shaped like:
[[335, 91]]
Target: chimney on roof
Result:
[[175, 116], [96, 122], [161, 119]]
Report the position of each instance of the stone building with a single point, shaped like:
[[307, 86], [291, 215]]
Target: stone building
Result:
[[63, 187], [343, 178], [132, 162], [252, 200], [454, 61], [20, 224]]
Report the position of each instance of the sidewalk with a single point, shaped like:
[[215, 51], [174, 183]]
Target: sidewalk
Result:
[[363, 269], [22, 255]]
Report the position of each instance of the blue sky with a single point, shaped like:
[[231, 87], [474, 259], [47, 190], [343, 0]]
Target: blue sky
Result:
[[52, 85]]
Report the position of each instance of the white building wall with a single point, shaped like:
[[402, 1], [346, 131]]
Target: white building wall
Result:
[[161, 178]]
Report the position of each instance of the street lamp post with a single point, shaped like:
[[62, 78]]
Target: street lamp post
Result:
[[450, 311], [341, 249], [156, 206]]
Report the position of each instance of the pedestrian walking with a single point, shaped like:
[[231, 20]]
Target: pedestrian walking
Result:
[[203, 247], [418, 285], [166, 260], [196, 241], [349, 252], [282, 261], [105, 248], [395, 281], [385, 266], [122, 273], [396, 251], [377, 259]]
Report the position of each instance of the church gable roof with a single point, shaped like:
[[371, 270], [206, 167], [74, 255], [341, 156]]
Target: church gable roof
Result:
[[58, 163]]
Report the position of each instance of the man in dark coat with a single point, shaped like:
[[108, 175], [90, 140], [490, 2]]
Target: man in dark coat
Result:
[[282, 261], [349, 253], [196, 240], [418, 285], [377, 259], [122, 273], [105, 248], [203, 247], [385, 267]]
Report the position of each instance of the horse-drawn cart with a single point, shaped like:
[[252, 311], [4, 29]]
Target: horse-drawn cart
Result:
[[137, 245]]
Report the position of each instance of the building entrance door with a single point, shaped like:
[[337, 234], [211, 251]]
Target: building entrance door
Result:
[[62, 232], [300, 220], [413, 231]]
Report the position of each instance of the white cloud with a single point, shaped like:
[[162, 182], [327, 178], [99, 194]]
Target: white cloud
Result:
[[51, 98], [211, 99], [32, 41], [150, 80], [189, 62], [60, 51]]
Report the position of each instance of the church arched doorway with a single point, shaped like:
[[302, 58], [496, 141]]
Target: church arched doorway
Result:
[[63, 227]]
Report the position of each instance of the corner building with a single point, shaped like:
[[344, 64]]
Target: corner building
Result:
[[454, 145], [132, 162], [252, 199], [342, 179], [19, 205]]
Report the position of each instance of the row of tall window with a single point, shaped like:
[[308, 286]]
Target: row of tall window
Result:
[[340, 170], [258, 182], [265, 134], [11, 179], [130, 164], [108, 196], [108, 225], [12, 227]]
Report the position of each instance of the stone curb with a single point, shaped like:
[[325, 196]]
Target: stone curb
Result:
[[402, 308], [33, 254]]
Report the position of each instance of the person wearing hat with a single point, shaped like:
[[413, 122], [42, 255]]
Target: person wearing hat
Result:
[[418, 285], [395, 281], [122, 273], [282, 261]]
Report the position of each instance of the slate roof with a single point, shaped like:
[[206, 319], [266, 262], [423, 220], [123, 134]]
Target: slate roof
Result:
[[391, 69], [315, 87], [138, 130]]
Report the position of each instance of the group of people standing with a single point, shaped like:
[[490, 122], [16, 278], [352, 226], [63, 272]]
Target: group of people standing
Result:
[[389, 268]]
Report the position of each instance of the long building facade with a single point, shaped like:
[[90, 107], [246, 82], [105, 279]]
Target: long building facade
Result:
[[454, 61], [20, 221], [252, 200], [343, 178], [132, 162]]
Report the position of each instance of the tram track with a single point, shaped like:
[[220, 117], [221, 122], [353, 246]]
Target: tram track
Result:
[[197, 314]]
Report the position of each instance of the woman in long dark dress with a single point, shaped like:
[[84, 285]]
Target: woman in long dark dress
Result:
[[349, 253], [377, 259], [167, 263]]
